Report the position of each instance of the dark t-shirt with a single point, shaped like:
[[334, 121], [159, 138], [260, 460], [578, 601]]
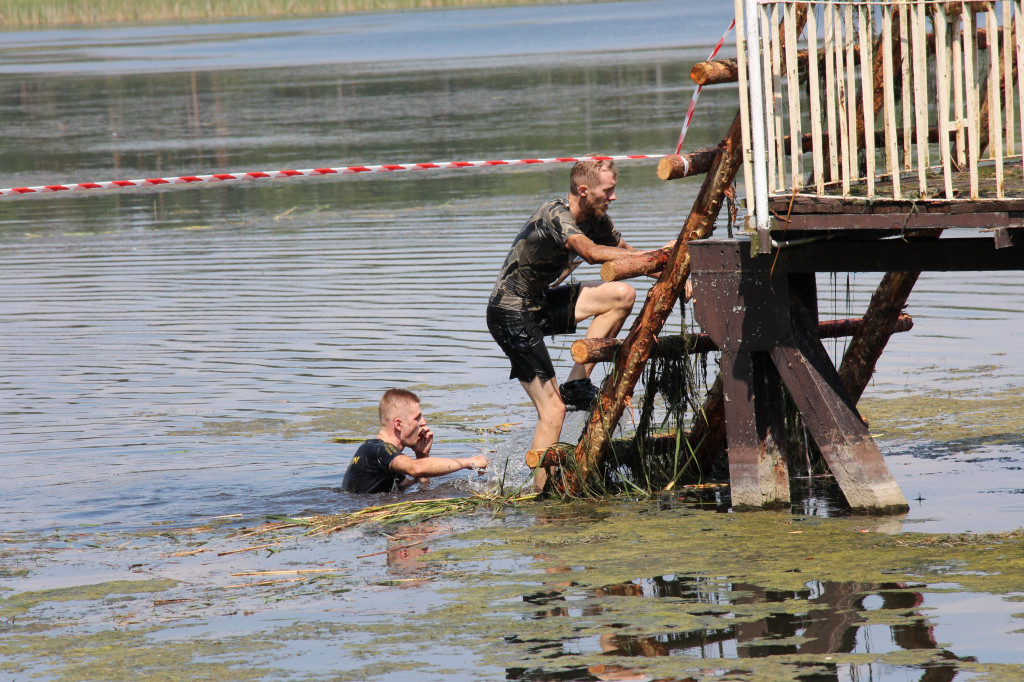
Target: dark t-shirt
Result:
[[539, 254], [369, 471]]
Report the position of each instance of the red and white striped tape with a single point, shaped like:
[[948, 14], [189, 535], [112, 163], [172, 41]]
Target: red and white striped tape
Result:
[[696, 93], [310, 172]]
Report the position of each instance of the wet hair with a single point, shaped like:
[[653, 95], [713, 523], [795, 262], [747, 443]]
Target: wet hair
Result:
[[588, 172], [392, 401]]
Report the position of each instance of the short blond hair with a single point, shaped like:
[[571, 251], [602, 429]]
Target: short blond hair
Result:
[[588, 172], [393, 402]]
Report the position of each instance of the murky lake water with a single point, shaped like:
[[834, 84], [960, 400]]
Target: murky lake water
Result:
[[187, 353]]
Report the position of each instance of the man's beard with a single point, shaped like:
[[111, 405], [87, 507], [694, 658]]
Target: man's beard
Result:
[[592, 210]]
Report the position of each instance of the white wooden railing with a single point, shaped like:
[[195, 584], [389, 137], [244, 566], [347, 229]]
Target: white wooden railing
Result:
[[907, 71]]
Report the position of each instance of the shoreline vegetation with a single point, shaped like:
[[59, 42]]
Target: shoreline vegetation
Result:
[[30, 14]]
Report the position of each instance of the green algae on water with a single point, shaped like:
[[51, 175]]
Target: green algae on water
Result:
[[118, 654], [23, 602], [661, 583], [959, 419]]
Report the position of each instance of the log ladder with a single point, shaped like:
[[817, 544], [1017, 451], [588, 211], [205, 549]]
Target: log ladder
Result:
[[866, 130]]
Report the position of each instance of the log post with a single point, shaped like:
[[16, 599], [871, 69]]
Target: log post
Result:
[[707, 434]]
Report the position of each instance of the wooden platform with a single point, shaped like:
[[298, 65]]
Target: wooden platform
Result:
[[856, 213]]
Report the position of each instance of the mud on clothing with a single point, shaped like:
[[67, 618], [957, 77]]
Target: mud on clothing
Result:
[[369, 471], [540, 253], [522, 308]]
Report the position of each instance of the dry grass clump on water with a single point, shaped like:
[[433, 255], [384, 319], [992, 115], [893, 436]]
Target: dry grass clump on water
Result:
[[38, 13], [406, 511], [278, 528]]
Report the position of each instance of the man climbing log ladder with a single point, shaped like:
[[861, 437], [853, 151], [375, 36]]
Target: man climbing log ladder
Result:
[[523, 307]]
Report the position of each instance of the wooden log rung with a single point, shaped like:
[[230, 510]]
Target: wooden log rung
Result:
[[645, 263], [687, 165], [603, 350]]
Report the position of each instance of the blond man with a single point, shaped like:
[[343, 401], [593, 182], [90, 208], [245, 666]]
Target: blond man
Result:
[[379, 466]]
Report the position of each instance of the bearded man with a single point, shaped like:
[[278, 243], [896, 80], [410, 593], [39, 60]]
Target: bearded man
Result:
[[524, 306]]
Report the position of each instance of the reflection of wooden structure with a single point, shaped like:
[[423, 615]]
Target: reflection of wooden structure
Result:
[[865, 130]]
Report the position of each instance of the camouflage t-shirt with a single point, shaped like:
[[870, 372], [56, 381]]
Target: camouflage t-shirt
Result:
[[539, 254], [370, 469]]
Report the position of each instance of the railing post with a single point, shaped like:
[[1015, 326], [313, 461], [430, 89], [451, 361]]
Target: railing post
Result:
[[758, 153]]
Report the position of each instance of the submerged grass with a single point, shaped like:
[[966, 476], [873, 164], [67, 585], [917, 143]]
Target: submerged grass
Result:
[[16, 14]]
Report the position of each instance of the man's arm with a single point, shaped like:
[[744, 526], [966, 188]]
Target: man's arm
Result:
[[428, 467], [596, 253]]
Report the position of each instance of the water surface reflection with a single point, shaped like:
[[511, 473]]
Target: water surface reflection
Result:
[[805, 627]]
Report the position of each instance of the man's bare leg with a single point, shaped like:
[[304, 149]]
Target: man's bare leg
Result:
[[609, 304], [550, 415]]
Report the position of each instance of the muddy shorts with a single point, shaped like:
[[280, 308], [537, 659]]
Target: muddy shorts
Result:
[[520, 333]]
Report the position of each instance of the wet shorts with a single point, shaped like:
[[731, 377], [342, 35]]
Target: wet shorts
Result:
[[520, 333]]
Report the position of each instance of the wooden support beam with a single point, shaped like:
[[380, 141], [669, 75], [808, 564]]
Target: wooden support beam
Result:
[[707, 433], [831, 417], [878, 324], [758, 476], [765, 316], [602, 350], [744, 311], [967, 254]]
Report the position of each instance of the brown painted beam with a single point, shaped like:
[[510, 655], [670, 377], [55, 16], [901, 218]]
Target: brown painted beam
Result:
[[744, 309], [755, 308], [969, 254], [836, 426], [758, 476]]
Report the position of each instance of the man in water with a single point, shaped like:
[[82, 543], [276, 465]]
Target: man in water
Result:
[[523, 306], [379, 465]]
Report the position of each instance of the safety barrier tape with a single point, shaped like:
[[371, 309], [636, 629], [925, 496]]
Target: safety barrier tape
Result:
[[310, 172], [696, 92]]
